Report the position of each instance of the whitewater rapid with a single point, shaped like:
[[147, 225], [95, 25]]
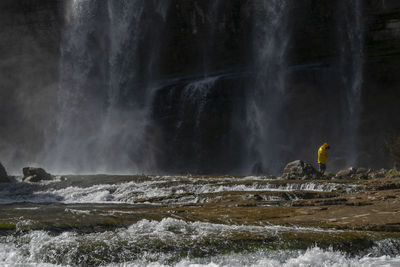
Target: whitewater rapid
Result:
[[109, 220], [173, 242], [150, 189]]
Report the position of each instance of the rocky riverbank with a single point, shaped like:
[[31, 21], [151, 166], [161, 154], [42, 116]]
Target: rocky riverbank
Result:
[[199, 216], [350, 203]]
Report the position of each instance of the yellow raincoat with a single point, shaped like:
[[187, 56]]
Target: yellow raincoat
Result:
[[322, 154]]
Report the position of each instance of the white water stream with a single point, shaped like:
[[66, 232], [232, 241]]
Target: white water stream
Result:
[[131, 247], [177, 189]]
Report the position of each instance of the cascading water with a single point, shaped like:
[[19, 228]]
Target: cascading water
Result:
[[351, 40], [111, 220], [80, 93], [104, 93], [264, 107], [123, 126], [195, 94]]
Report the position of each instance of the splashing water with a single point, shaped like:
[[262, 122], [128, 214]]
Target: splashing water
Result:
[[196, 94], [351, 39], [170, 242], [156, 190]]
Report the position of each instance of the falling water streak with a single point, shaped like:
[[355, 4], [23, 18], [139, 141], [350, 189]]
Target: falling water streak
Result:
[[352, 57], [126, 126], [68, 98], [73, 74], [122, 128], [196, 93], [265, 103], [161, 8], [121, 19]]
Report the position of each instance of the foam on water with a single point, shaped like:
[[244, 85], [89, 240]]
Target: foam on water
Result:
[[262, 258], [183, 189], [172, 242]]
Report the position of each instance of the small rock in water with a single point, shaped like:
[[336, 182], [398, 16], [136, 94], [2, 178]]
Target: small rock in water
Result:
[[301, 170], [32, 174], [3, 175]]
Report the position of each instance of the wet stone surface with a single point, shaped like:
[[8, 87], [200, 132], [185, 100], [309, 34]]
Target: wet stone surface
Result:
[[71, 221], [80, 202]]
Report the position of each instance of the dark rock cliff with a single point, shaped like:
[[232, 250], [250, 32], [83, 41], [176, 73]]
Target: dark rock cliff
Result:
[[381, 90]]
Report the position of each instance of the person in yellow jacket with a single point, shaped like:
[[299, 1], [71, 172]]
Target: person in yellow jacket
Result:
[[322, 157]]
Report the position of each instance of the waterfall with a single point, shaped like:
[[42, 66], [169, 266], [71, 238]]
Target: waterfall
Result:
[[351, 39], [264, 107], [105, 86]]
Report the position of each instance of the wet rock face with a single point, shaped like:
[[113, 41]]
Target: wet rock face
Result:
[[355, 173], [215, 33], [346, 173], [301, 170], [35, 174], [365, 174], [3, 174], [378, 174]]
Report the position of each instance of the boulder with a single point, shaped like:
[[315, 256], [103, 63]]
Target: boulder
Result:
[[3, 175], [299, 169], [347, 173], [32, 174], [353, 173], [378, 174], [362, 173], [328, 175]]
